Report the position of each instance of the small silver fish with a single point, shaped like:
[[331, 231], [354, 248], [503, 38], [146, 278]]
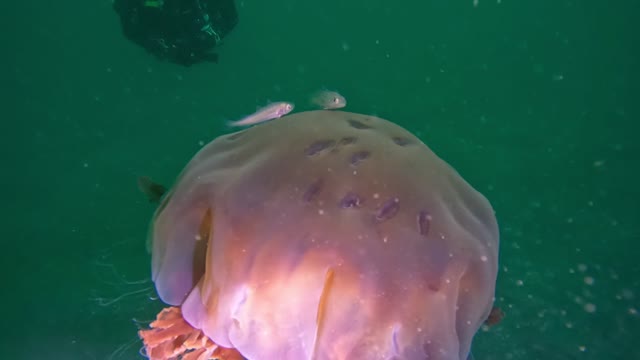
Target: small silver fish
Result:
[[271, 111], [327, 99]]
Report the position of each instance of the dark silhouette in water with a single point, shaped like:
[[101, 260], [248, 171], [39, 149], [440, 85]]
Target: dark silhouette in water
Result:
[[180, 31]]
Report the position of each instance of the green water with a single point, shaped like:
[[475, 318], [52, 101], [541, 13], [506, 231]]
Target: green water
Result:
[[535, 103]]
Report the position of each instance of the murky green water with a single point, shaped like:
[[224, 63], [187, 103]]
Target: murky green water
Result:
[[535, 103]]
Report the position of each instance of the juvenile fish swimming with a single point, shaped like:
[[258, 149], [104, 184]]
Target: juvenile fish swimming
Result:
[[269, 112], [328, 100]]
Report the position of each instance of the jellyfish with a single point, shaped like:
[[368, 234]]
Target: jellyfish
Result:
[[323, 235]]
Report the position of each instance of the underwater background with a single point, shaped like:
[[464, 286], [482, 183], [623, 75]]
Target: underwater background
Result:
[[535, 103]]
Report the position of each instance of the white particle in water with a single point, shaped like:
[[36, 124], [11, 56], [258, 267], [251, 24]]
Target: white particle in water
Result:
[[582, 267], [569, 325], [627, 294]]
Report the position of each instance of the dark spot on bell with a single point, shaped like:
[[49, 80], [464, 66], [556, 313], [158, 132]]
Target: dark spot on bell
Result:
[[312, 191], [433, 287], [402, 141], [319, 146], [358, 157], [388, 209], [350, 200], [358, 125], [348, 140], [424, 222]]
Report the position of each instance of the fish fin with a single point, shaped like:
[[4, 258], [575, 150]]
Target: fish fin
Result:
[[151, 189], [235, 124]]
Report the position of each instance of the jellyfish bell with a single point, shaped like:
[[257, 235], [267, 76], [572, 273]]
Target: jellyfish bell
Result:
[[323, 235]]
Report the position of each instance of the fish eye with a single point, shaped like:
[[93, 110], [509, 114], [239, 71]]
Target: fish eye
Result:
[[336, 100]]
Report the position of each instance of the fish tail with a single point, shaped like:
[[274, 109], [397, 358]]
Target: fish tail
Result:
[[151, 189]]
